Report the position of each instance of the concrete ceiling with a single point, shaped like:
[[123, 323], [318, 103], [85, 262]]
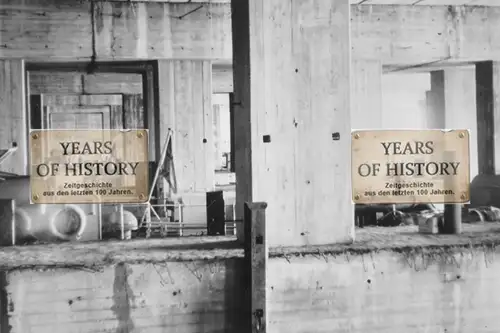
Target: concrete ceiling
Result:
[[495, 3]]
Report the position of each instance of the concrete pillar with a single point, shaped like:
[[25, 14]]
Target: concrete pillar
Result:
[[185, 105], [429, 115], [460, 97], [217, 136], [14, 125], [488, 116], [436, 101], [292, 117], [451, 103], [366, 105]]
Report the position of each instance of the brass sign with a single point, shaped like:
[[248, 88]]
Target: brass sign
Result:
[[410, 166], [89, 166]]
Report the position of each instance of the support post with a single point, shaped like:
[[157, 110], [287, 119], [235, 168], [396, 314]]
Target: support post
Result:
[[291, 63], [450, 101], [99, 220], [122, 222], [256, 254], [452, 219], [452, 212], [488, 116]]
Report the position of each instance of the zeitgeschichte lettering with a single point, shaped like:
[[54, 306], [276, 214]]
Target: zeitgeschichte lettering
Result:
[[410, 166]]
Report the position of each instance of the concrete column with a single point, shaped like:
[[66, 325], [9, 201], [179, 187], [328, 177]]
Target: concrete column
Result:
[[185, 103], [366, 105], [488, 116], [451, 103], [217, 136], [14, 125], [436, 101], [430, 113], [460, 97], [292, 117]]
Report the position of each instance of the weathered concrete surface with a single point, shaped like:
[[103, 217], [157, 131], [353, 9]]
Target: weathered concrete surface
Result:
[[95, 256], [434, 291], [62, 30], [386, 292], [168, 297], [389, 280]]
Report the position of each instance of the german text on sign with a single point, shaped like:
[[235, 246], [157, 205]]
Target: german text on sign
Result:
[[410, 166], [89, 166]]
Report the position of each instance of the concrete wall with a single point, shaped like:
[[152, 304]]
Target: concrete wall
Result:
[[403, 101], [387, 101], [380, 292]]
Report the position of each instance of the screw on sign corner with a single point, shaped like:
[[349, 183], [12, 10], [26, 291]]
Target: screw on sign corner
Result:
[[34, 136], [35, 197], [356, 136], [140, 134], [142, 196], [463, 196], [461, 135], [357, 197]]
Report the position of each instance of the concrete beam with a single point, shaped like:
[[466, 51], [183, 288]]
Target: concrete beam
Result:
[[423, 34], [353, 2], [169, 1], [48, 82], [395, 35], [292, 83], [427, 2], [74, 30]]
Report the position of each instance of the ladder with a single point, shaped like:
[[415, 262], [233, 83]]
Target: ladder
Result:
[[164, 172], [5, 154]]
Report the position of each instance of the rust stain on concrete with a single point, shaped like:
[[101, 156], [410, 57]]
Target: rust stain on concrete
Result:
[[122, 298], [4, 304]]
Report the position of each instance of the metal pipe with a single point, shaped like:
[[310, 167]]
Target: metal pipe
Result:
[[181, 217], [99, 220], [13, 223], [452, 212], [452, 219], [122, 223]]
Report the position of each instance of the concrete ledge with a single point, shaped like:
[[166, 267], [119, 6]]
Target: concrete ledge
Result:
[[95, 255], [378, 292], [402, 239]]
